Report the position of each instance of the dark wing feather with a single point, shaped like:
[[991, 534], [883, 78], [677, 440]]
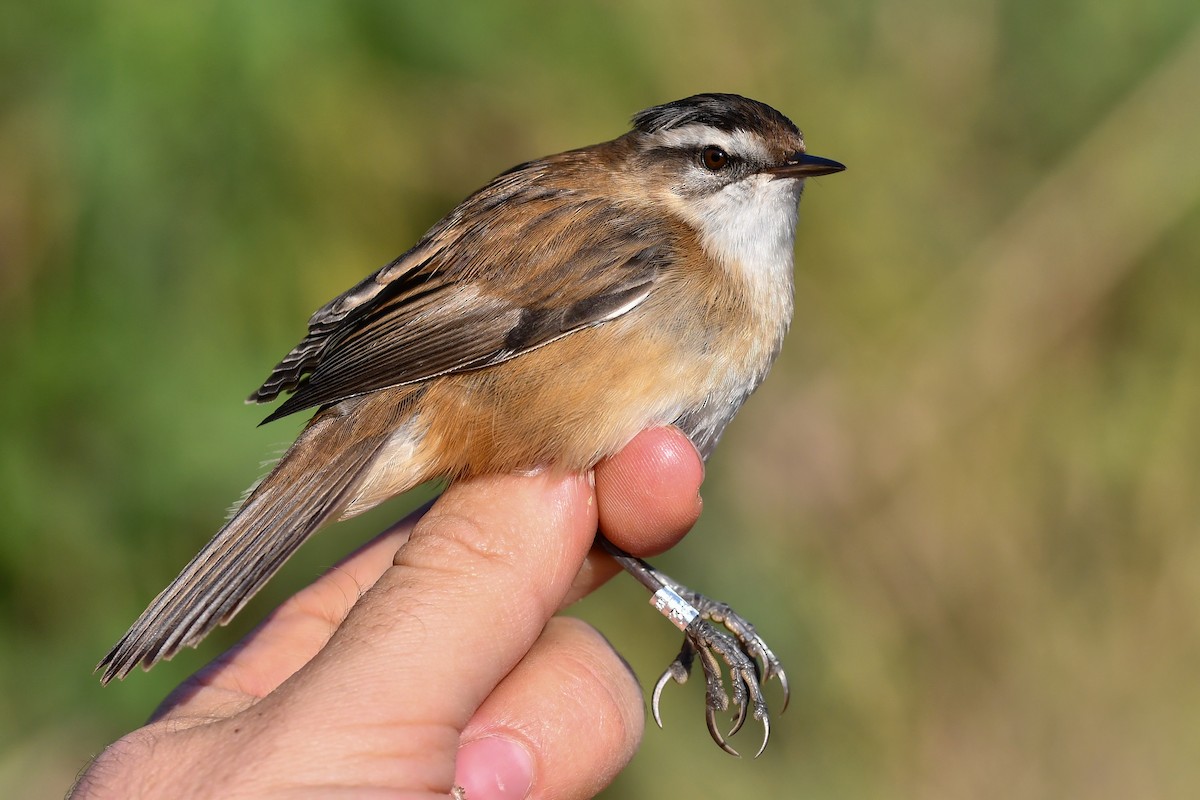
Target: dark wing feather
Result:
[[396, 278], [535, 263]]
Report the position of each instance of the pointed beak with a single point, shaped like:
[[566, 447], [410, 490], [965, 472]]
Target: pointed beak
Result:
[[802, 165]]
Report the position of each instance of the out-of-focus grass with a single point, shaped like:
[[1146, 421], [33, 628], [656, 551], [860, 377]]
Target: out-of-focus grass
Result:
[[963, 507]]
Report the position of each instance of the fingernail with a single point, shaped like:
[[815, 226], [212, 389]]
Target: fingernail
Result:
[[494, 768]]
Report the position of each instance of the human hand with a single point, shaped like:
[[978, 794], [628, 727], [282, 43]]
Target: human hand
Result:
[[431, 658]]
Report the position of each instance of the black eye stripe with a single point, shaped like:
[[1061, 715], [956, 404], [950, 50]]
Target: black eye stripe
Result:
[[695, 154]]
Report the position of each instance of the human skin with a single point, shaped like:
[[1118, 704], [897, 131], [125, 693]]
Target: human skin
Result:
[[432, 657]]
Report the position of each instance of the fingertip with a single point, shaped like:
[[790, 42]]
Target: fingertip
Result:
[[648, 495], [666, 447], [494, 768], [572, 704]]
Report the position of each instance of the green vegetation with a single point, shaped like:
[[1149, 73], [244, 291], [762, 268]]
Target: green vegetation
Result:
[[963, 508]]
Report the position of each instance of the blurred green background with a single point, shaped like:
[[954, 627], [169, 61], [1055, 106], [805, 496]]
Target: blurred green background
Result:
[[963, 509]]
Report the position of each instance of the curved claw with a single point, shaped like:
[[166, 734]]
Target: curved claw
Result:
[[743, 710], [654, 698], [710, 717], [766, 721], [679, 671], [770, 668]]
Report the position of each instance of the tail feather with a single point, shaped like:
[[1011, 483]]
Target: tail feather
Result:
[[287, 507]]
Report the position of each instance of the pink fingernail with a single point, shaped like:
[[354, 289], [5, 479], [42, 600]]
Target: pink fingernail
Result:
[[494, 768]]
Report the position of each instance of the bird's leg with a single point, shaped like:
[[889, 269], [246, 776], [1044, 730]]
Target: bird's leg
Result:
[[715, 634]]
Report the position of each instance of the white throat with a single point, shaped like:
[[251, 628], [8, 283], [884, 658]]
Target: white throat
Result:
[[750, 228]]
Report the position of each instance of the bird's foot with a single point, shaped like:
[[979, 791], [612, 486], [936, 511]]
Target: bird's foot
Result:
[[717, 635]]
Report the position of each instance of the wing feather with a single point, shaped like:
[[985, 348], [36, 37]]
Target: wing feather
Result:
[[536, 262]]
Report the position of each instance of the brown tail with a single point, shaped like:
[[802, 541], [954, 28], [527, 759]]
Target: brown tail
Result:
[[312, 483]]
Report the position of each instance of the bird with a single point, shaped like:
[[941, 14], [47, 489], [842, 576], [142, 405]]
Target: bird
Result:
[[643, 281]]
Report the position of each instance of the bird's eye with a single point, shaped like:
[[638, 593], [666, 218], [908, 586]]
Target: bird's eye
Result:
[[714, 158]]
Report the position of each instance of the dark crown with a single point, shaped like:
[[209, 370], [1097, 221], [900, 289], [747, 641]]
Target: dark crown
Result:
[[726, 112]]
